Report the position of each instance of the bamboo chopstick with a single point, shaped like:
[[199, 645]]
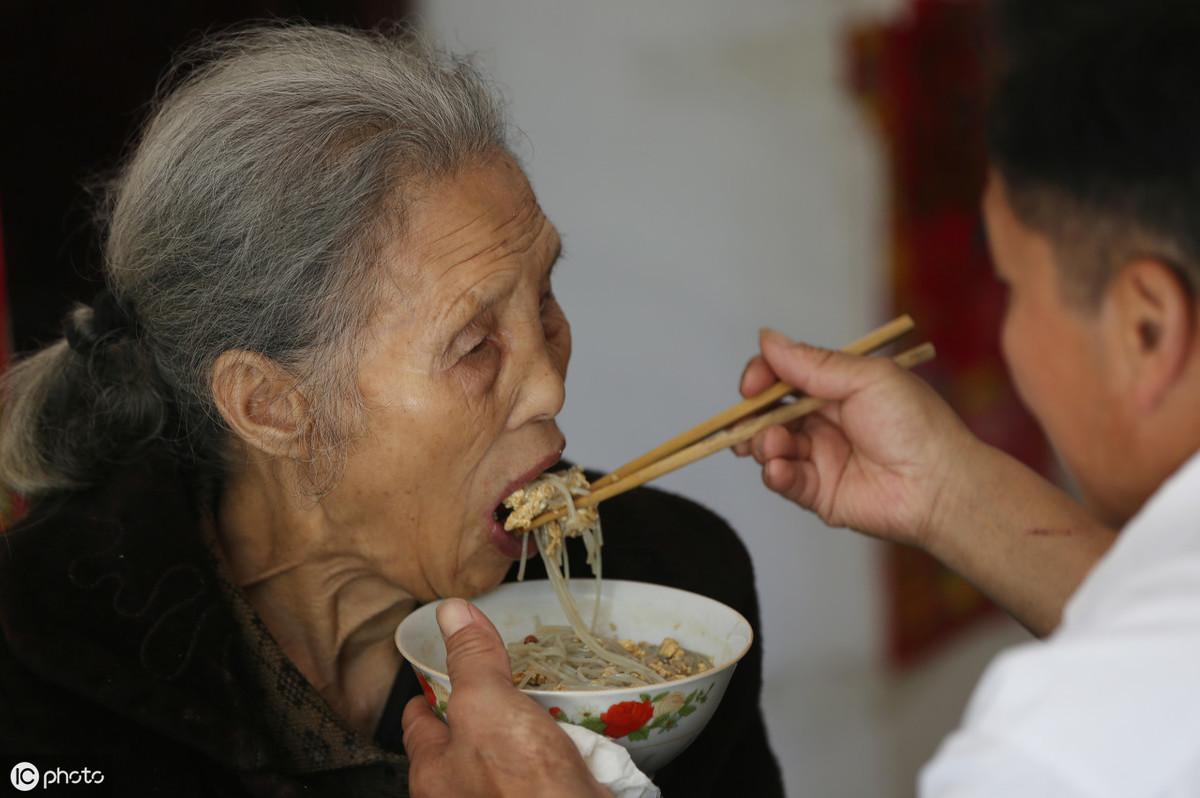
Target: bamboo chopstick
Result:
[[876, 339], [721, 440]]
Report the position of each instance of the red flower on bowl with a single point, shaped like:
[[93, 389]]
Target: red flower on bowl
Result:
[[427, 690], [625, 717]]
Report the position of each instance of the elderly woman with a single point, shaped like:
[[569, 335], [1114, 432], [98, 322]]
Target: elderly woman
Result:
[[328, 349]]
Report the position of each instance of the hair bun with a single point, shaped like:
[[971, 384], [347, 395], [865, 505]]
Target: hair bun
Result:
[[101, 323]]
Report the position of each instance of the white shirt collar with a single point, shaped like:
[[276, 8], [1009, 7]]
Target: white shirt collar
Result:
[[1166, 528]]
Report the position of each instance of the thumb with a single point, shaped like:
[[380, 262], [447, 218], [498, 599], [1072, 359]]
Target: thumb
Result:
[[475, 654], [822, 373], [424, 735]]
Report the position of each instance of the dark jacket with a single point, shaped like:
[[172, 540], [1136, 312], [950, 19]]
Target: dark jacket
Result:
[[125, 649]]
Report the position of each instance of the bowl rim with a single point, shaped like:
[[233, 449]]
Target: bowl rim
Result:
[[607, 691]]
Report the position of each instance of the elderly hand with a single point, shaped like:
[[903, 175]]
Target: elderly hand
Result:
[[878, 458], [498, 741]]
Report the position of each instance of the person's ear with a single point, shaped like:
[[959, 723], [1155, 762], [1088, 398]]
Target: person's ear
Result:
[[260, 402], [1154, 316]]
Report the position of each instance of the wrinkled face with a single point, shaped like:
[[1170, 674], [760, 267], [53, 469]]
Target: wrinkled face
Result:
[[1056, 353], [462, 380]]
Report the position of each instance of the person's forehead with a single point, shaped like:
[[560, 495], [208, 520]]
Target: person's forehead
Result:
[[470, 239], [487, 212]]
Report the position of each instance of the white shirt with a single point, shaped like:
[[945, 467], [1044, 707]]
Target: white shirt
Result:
[[1109, 705]]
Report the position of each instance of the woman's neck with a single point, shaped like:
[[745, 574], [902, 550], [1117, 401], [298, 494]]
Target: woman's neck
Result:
[[328, 607]]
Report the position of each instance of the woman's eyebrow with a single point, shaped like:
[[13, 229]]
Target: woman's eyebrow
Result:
[[467, 309]]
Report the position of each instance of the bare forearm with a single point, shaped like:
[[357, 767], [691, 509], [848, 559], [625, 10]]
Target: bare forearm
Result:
[[1018, 538]]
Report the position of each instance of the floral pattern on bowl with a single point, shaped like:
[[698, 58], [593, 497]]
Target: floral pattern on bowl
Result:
[[635, 720], [435, 695]]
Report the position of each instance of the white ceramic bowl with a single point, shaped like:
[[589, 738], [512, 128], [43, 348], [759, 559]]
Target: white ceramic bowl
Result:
[[654, 723]]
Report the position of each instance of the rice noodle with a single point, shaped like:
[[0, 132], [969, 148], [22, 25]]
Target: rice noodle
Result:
[[524, 556], [574, 657]]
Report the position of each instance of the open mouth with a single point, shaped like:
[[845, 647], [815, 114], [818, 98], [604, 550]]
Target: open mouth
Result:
[[511, 542], [501, 513]]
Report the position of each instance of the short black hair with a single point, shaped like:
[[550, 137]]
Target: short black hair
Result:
[[1094, 126]]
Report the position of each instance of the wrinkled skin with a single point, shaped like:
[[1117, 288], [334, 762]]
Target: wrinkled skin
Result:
[[462, 380], [461, 376]]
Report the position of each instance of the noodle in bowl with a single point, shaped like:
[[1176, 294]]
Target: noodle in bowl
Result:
[[654, 722]]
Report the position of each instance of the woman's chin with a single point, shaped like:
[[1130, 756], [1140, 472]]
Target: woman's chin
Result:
[[483, 578], [489, 563]]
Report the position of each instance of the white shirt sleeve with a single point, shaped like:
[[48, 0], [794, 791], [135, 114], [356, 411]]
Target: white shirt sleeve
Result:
[[974, 765], [1109, 706], [1111, 711]]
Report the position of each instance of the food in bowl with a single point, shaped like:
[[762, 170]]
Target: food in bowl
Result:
[[555, 658], [656, 722]]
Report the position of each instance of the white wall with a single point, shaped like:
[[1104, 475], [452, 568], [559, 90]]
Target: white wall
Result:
[[710, 176]]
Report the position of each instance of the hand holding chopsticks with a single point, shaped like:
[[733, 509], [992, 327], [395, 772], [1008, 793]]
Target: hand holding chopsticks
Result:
[[876, 339], [715, 434]]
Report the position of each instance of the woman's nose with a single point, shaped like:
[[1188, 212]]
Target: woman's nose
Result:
[[542, 389]]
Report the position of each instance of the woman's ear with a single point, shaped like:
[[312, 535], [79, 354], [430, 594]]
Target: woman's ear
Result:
[[260, 402], [1155, 318]]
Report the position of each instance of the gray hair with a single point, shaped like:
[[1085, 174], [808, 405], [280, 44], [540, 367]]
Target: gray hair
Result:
[[250, 216]]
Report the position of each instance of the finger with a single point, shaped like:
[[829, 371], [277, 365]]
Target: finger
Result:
[[756, 377], [830, 449], [796, 480], [818, 372], [815, 423], [475, 655], [826, 436], [424, 735], [756, 447], [803, 444], [757, 444], [779, 475], [747, 447], [772, 442], [778, 442]]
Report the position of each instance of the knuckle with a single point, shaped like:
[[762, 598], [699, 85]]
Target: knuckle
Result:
[[766, 478], [883, 368], [821, 357]]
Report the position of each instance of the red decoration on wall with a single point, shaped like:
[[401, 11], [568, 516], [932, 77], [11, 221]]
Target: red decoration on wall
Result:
[[922, 78]]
